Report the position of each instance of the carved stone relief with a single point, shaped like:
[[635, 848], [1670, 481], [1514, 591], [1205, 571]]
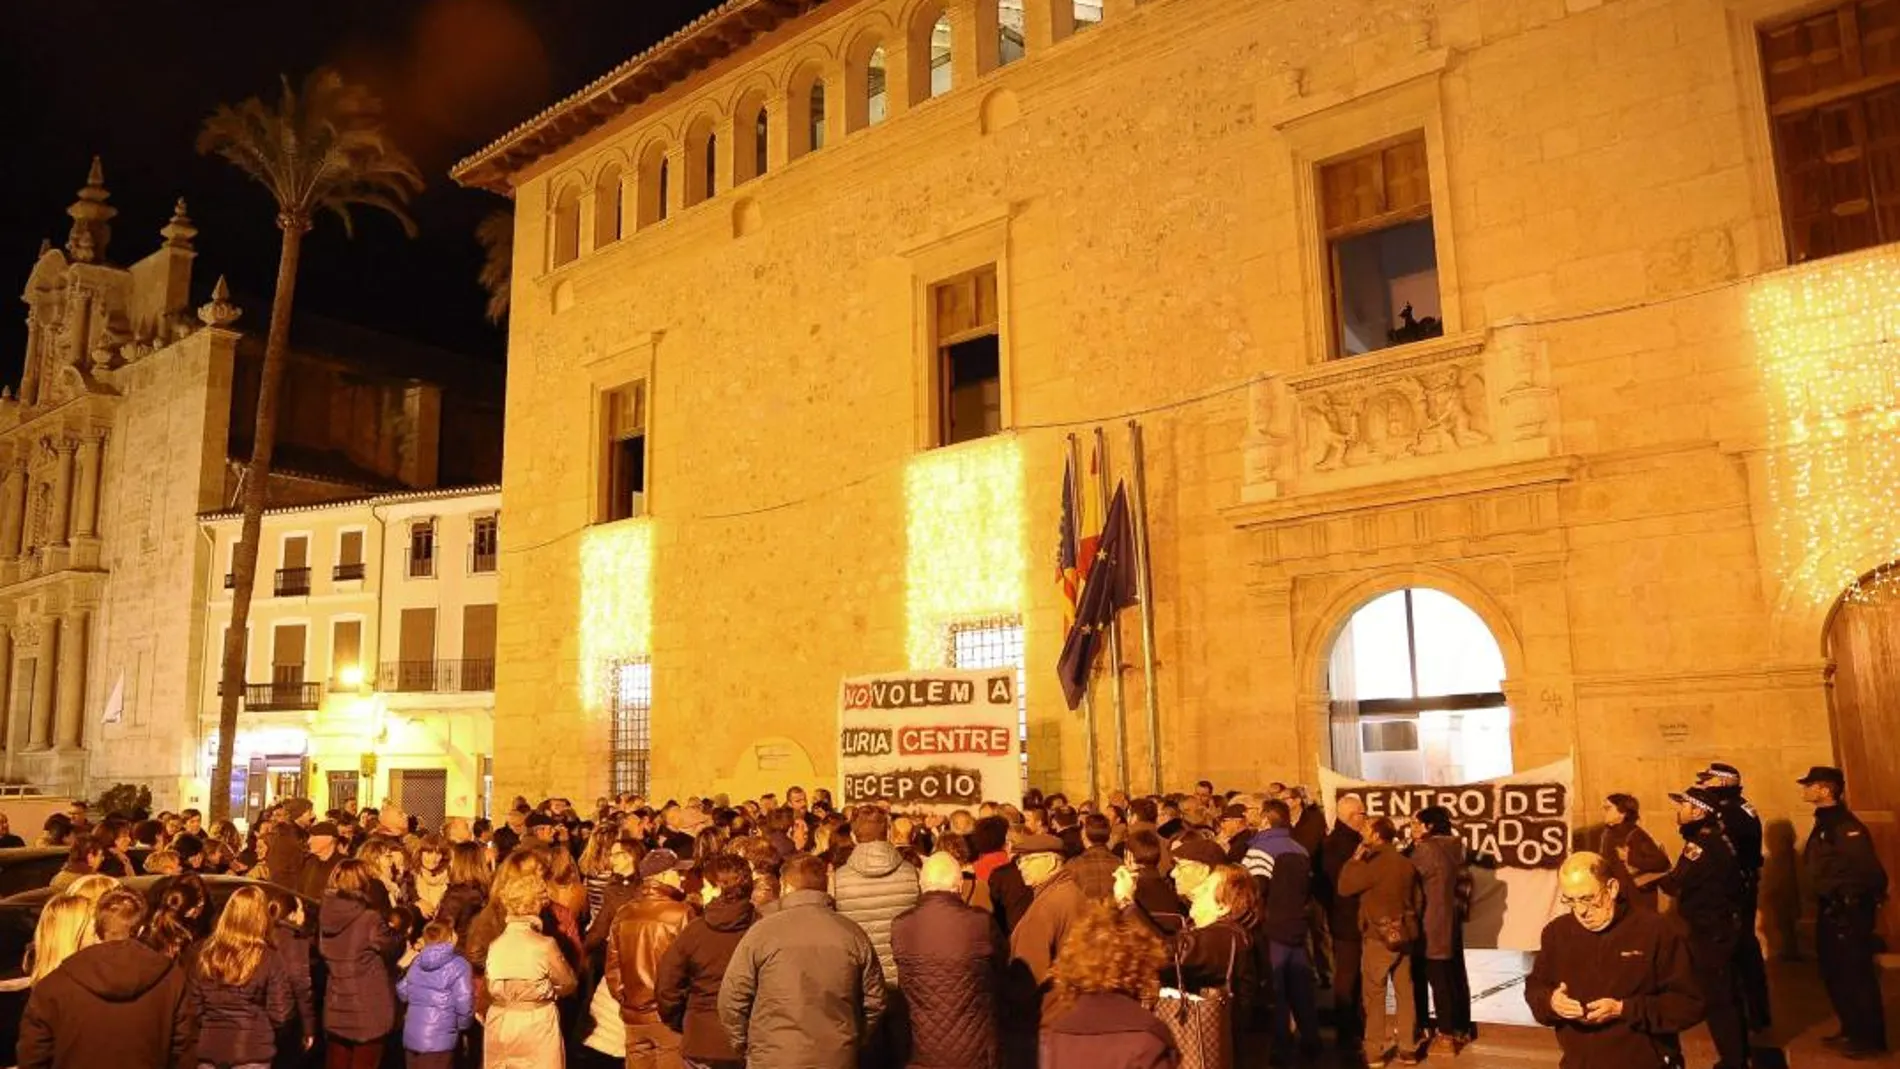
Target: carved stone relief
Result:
[[1430, 411]]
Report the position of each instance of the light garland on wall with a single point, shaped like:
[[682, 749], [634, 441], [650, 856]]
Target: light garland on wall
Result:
[[1826, 337], [616, 602], [965, 534]]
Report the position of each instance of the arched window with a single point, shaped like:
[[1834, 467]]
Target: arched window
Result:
[[816, 118], [609, 220], [701, 170], [941, 54], [877, 87], [564, 244], [712, 166], [650, 203], [761, 136], [1416, 681], [666, 194], [1009, 32]]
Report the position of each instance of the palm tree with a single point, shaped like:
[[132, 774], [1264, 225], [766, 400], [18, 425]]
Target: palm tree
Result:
[[323, 147], [496, 235]]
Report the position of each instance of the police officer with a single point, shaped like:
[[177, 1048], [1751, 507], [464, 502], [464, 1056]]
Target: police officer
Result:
[[1711, 895], [1849, 882], [1742, 825]]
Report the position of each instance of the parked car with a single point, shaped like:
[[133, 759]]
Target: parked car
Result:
[[24, 868], [20, 914]]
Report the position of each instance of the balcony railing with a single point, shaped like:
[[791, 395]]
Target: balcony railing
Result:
[[277, 697], [421, 565], [436, 677], [347, 571], [482, 562], [292, 582]]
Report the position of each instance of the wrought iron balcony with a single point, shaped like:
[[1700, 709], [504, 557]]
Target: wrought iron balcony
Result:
[[347, 571], [481, 563], [292, 582], [436, 677], [279, 697]]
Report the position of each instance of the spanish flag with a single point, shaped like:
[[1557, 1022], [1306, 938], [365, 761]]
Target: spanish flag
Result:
[[1078, 537]]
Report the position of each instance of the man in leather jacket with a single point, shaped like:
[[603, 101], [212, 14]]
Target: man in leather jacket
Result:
[[643, 929]]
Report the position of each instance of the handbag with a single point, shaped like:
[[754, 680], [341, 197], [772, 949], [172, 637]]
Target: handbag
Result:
[[1397, 933], [1201, 1022]]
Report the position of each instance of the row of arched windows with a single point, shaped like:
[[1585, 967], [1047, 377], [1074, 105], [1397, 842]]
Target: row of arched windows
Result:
[[809, 110]]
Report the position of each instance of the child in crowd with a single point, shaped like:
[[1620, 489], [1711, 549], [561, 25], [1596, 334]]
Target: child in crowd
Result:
[[440, 990]]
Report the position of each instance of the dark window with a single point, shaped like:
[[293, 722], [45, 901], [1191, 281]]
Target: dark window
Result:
[[969, 372], [1376, 208], [630, 709], [422, 549], [712, 166], [817, 115], [1833, 88], [761, 138], [665, 199], [485, 544], [623, 465]]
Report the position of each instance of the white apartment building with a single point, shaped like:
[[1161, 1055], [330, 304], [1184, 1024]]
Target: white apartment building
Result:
[[371, 656]]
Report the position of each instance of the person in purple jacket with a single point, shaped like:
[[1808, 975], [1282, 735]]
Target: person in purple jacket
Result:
[[440, 990]]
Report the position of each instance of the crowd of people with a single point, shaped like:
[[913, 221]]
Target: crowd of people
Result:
[[795, 934]]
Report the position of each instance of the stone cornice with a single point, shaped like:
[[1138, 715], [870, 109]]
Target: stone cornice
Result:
[[1486, 480]]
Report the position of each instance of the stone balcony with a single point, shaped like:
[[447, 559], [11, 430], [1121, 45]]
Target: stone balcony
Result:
[[1450, 407]]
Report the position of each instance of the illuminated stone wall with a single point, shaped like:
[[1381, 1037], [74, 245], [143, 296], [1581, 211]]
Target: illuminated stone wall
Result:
[[1611, 256]]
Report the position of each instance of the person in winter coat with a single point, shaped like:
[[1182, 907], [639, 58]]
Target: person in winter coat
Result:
[[431, 876], [622, 884], [1028, 985], [467, 891], [240, 993], [291, 943], [1614, 981], [1388, 890], [875, 885], [82, 860], [1342, 920], [950, 956], [1101, 977], [284, 846], [1095, 865], [1282, 872], [643, 929], [1445, 879], [1637, 862], [116, 1004], [359, 947], [439, 989], [322, 852], [693, 968], [526, 975], [804, 988]]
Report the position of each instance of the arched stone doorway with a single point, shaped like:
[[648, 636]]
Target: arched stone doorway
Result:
[[1415, 680], [1863, 648]]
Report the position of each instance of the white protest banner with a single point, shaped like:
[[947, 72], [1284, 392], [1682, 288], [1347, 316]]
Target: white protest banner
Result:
[[1517, 829], [943, 739]]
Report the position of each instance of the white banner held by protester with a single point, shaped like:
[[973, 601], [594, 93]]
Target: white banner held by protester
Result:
[[1517, 829], [943, 739]]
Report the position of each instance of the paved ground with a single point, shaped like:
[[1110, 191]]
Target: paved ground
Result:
[[1802, 1017]]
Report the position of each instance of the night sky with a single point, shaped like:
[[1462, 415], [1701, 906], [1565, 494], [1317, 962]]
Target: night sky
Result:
[[132, 81]]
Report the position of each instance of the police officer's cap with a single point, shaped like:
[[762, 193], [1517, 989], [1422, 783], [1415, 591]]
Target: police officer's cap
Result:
[[1720, 774], [1824, 774], [1695, 796]]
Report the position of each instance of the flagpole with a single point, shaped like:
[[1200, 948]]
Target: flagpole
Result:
[[1114, 635], [1144, 587], [1074, 490]]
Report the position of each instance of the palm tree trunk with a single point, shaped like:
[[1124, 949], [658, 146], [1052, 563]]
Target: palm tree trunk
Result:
[[256, 476]]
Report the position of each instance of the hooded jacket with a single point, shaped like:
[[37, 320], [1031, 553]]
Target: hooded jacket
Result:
[[359, 948], [803, 990], [119, 1004], [872, 888], [690, 974], [440, 990], [238, 1023]]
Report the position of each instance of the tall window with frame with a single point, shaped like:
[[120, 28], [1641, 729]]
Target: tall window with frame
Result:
[[630, 711], [1833, 93], [623, 466], [967, 327], [484, 547], [995, 642], [422, 549], [1381, 251]]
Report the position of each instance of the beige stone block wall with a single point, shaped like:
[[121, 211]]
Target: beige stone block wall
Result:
[[1603, 188]]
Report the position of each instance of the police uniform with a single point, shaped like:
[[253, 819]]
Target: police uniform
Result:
[[1742, 825], [1710, 894], [1849, 883]]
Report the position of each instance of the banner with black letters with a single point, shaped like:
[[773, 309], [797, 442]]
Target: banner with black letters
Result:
[[1517, 833], [934, 740]]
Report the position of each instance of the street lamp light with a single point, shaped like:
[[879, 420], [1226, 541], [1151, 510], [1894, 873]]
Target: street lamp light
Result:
[[351, 676]]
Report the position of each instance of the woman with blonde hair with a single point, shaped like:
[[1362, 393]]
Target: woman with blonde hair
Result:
[[1108, 963], [240, 993], [526, 976], [91, 888], [64, 929]]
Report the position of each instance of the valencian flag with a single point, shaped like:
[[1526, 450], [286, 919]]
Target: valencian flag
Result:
[[1110, 588]]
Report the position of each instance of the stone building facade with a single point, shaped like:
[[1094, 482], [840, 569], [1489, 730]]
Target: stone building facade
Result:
[[1640, 421], [131, 419]]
